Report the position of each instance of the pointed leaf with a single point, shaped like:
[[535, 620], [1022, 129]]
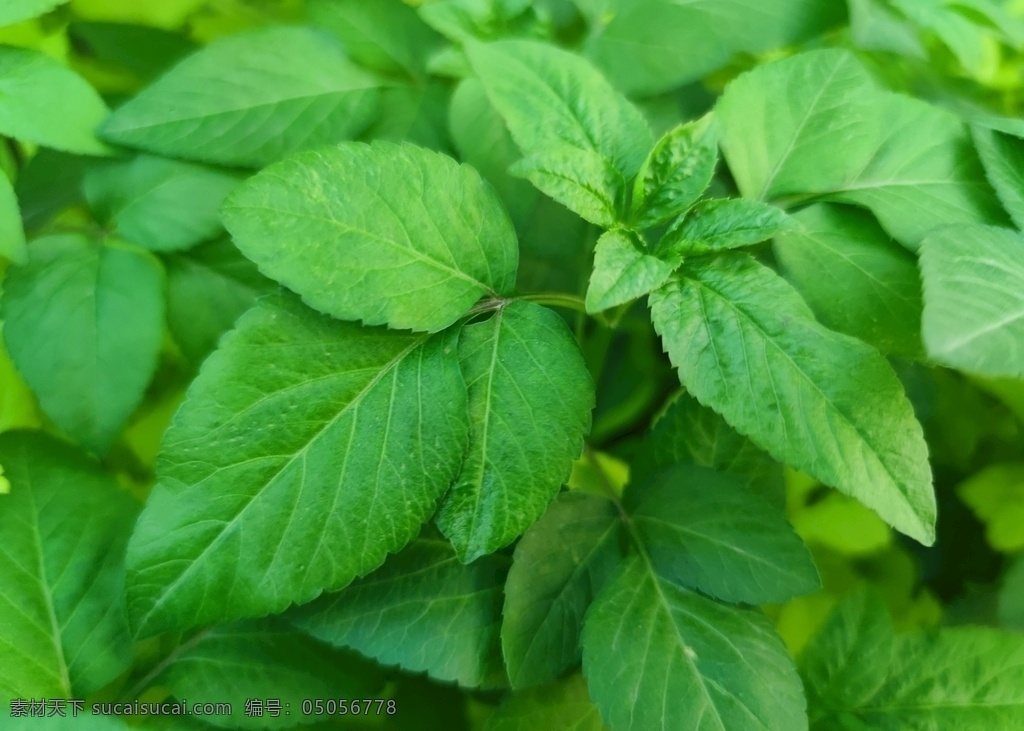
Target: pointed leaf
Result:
[[855, 278], [676, 173], [159, 204], [530, 397], [15, 11], [657, 656], [262, 659], [83, 324], [746, 345], [416, 238], [974, 299], [705, 530], [720, 224], [250, 99], [1003, 158], [559, 566], [64, 526], [305, 452], [563, 705], [12, 235], [48, 104], [581, 180], [624, 271], [423, 610]]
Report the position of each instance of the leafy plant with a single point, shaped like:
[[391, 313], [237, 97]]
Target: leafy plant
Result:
[[497, 364]]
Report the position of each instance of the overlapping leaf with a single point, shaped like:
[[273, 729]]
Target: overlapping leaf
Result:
[[720, 224], [563, 705], [530, 397], [12, 235], [64, 527], [305, 452], [380, 233], [624, 270], [15, 11]]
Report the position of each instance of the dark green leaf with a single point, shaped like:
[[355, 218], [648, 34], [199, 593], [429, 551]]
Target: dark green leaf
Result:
[[563, 705]]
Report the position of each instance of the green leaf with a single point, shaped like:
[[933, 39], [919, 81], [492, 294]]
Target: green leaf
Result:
[[48, 104], [386, 35], [720, 224], [675, 174], [582, 180], [530, 398], [558, 567], [12, 235], [208, 288], [688, 433], [159, 204], [15, 11], [860, 676], [563, 705], [83, 722], [306, 451], [262, 659], [380, 233], [1003, 158], [64, 527], [854, 277], [1011, 596], [705, 530], [250, 99], [658, 656], [590, 130], [974, 299], [423, 610], [912, 164], [652, 46], [83, 324], [624, 271], [747, 346], [996, 496]]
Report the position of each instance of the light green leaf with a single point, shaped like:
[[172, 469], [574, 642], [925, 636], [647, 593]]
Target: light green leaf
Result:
[[996, 496], [84, 324], [746, 345], [15, 11], [64, 527], [688, 433], [208, 288], [415, 238], [12, 234], [855, 278], [1003, 158], [386, 35], [657, 656], [159, 204], [912, 164], [559, 566], [966, 39], [563, 705], [624, 271], [263, 659], [250, 99], [675, 174], [581, 180], [423, 610], [719, 224], [530, 398], [528, 81], [84, 722], [974, 299], [705, 530], [652, 46], [861, 677], [48, 104], [305, 452], [875, 26]]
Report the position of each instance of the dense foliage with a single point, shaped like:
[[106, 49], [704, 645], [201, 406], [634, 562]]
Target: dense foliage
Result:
[[511, 364]]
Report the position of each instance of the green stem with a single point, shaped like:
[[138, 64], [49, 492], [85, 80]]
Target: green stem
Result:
[[566, 301]]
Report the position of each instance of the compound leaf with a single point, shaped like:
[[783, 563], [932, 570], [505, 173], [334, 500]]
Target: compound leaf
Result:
[[974, 299], [658, 656], [305, 452], [747, 346], [423, 610], [530, 398], [558, 567], [381, 233], [64, 525], [83, 324], [624, 271], [705, 530], [250, 99]]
